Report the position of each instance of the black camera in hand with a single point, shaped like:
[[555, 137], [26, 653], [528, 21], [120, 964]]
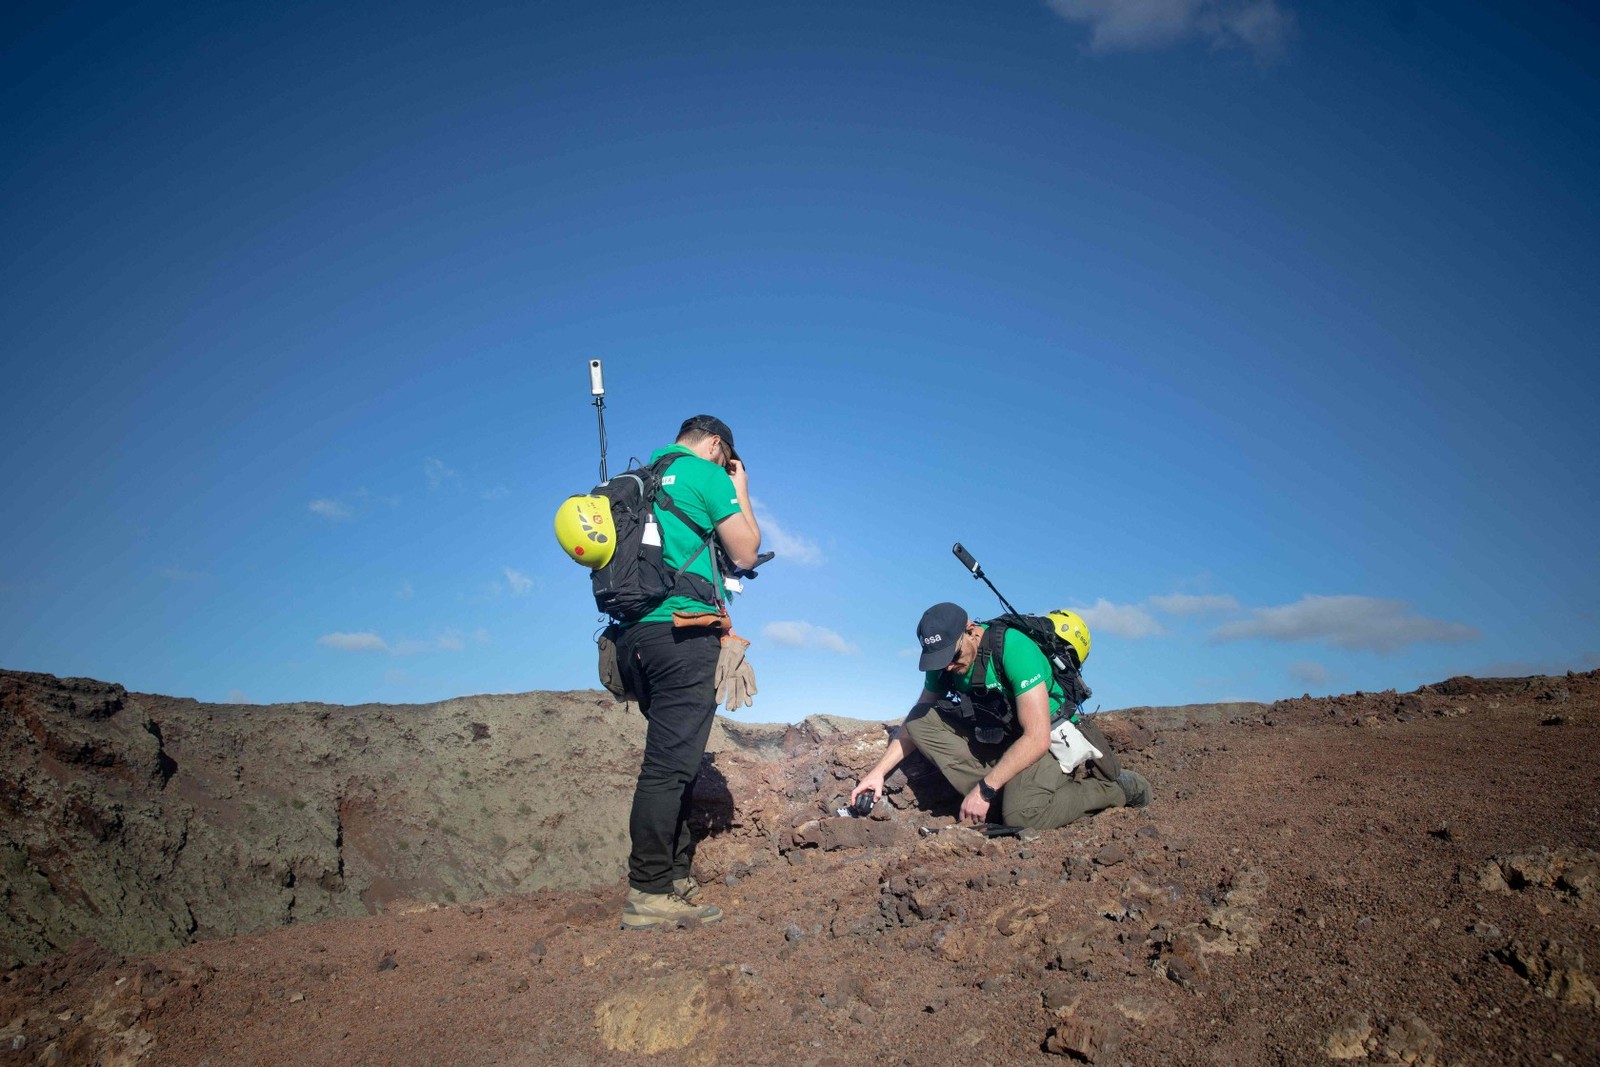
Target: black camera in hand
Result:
[[861, 807], [739, 572]]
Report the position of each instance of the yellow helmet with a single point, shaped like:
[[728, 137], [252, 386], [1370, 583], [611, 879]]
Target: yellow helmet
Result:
[[1073, 630], [585, 530]]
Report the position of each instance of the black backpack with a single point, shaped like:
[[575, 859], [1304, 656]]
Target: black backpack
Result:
[[1042, 632], [992, 714], [1064, 667], [636, 578]]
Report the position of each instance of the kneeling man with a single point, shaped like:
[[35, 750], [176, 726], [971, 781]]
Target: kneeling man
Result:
[[986, 725]]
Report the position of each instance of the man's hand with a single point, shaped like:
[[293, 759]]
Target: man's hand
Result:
[[741, 478], [872, 782], [974, 808], [740, 535], [1033, 712]]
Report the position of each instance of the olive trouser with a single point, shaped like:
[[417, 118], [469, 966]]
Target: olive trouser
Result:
[[1042, 796]]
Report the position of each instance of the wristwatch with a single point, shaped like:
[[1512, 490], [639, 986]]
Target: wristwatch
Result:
[[986, 791]]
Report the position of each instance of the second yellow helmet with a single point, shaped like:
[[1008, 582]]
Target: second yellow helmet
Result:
[[1071, 628], [585, 530]]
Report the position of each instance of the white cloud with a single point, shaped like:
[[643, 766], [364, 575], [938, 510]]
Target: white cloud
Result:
[[436, 472], [1308, 673], [1189, 604], [329, 508], [789, 546], [1261, 26], [448, 641], [520, 583], [236, 696], [1357, 623], [481, 636], [806, 635], [357, 642], [1123, 620], [405, 592], [351, 505], [497, 493]]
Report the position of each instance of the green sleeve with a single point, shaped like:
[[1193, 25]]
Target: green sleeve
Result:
[[1024, 664], [704, 491]]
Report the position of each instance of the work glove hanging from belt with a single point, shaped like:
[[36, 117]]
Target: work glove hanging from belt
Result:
[[736, 682]]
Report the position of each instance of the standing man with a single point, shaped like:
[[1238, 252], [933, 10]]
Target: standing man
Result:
[[668, 659], [994, 739]]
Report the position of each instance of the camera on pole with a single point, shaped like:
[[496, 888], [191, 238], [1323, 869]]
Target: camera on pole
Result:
[[597, 389]]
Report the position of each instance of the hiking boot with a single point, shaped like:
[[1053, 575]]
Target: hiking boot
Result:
[[645, 910], [1135, 787], [686, 887]]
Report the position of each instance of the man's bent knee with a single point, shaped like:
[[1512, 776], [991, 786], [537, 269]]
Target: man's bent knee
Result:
[[1052, 810], [1034, 818], [918, 726]]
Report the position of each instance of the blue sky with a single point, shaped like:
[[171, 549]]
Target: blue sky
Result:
[[1262, 332]]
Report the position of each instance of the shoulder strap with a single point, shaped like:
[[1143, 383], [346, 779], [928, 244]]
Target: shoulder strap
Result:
[[664, 498], [991, 649], [992, 705]]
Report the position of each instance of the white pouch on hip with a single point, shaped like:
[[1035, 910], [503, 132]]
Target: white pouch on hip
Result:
[[1070, 748]]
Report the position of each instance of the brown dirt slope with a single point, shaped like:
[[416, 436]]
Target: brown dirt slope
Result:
[[147, 822], [1388, 878]]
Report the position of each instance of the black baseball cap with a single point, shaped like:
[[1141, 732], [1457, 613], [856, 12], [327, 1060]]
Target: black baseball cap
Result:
[[941, 626], [710, 424]]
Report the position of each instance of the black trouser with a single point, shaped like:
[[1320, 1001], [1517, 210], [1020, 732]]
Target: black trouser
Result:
[[672, 672]]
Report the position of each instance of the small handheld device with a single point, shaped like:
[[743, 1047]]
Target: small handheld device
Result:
[[597, 384], [862, 807], [765, 557]]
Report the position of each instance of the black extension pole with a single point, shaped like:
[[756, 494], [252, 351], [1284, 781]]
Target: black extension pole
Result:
[[977, 572]]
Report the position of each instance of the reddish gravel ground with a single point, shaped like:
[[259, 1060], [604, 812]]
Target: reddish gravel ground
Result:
[[1384, 877]]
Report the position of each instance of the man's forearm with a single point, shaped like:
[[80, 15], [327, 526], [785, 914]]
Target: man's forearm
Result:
[[743, 496], [1033, 714], [900, 746]]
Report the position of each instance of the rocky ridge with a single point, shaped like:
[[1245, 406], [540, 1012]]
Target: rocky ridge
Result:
[[1379, 877], [148, 822]]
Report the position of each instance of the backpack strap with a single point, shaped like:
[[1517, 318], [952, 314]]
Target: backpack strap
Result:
[[991, 650], [1002, 625], [664, 498], [993, 707]]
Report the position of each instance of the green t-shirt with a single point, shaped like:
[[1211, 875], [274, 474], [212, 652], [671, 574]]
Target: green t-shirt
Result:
[[703, 491], [1025, 666]]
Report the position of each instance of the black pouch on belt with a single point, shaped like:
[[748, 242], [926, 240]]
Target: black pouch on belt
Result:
[[1107, 767], [610, 670]]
